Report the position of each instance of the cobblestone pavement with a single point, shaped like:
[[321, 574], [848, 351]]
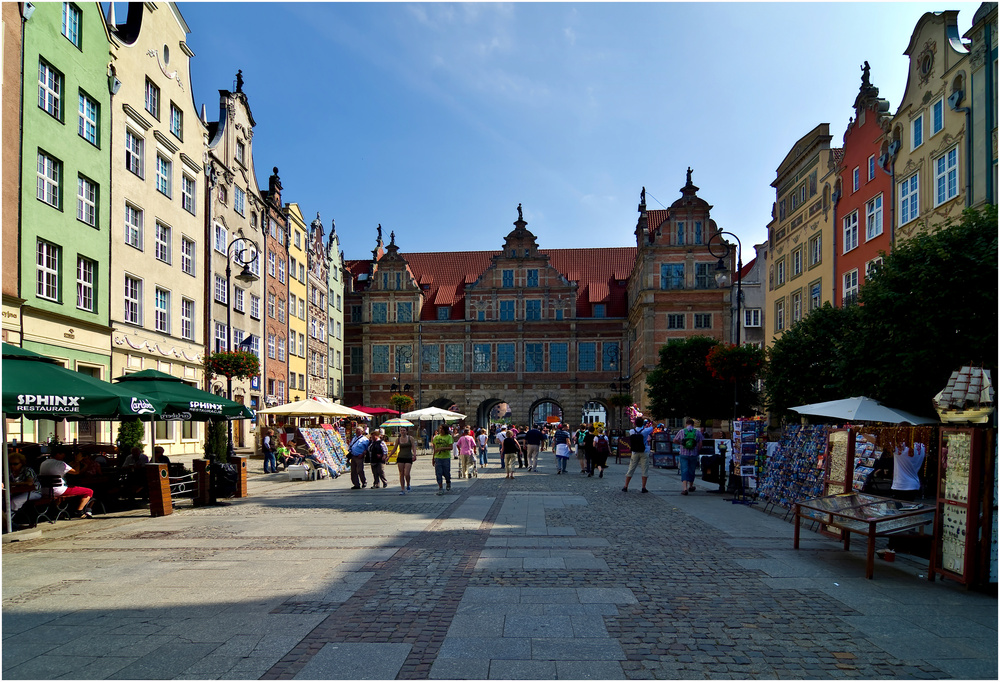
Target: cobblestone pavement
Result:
[[541, 577]]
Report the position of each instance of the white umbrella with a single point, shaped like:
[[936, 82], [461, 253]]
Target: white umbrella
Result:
[[861, 409], [433, 414], [314, 408]]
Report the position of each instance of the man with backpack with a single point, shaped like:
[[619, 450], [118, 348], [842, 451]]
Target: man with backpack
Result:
[[638, 442], [689, 438]]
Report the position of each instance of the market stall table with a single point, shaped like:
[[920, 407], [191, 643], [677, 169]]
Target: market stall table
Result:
[[870, 515]]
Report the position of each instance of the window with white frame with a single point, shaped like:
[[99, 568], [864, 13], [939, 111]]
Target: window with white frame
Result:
[[133, 226], [187, 319], [221, 238], [187, 256], [815, 250], [779, 315], [796, 262], [281, 349], [241, 151], [851, 231], [850, 287], [48, 179], [281, 310], [163, 175], [815, 295], [871, 167], [917, 131], [162, 242], [220, 337], [909, 207], [85, 272], [239, 200], [134, 152], [856, 177], [937, 117], [188, 194], [86, 201], [176, 121], [50, 87], [281, 270], [872, 266], [873, 217], [152, 99], [338, 330], [220, 290], [298, 239], [946, 177], [238, 299], [780, 265], [751, 317], [133, 300], [255, 306], [47, 261], [271, 301], [272, 346], [162, 302], [293, 268], [89, 114], [272, 261], [796, 306], [71, 23]]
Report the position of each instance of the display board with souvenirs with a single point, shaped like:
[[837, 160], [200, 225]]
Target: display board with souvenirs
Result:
[[866, 456], [749, 449], [795, 468], [328, 444]]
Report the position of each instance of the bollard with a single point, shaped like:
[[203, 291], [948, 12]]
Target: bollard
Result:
[[202, 496], [241, 475], [158, 483]]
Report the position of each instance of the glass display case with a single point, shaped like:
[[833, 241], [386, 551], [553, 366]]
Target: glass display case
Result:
[[866, 514]]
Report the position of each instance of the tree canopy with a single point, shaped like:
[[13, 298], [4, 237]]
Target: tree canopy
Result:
[[930, 308]]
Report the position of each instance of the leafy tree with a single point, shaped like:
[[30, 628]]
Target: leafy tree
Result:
[[740, 367], [682, 386], [130, 434], [806, 364], [217, 440], [931, 308]]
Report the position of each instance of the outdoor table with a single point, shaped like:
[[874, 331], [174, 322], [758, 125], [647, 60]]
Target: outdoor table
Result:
[[870, 515]]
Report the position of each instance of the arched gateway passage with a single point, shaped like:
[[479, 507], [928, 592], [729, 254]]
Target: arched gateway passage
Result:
[[545, 411]]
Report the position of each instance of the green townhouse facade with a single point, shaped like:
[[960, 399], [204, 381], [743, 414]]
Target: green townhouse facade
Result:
[[65, 193]]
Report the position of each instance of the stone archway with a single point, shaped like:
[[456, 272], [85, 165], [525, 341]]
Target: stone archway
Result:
[[595, 410], [490, 410], [543, 408]]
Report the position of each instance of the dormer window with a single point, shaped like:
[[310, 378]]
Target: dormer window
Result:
[[532, 278], [507, 279]]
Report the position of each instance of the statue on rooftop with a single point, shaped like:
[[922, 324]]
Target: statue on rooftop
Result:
[[520, 216]]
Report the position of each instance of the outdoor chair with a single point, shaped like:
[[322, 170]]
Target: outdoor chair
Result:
[[51, 507]]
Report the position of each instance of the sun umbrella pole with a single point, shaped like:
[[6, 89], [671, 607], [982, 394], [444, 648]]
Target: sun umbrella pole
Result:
[[6, 478]]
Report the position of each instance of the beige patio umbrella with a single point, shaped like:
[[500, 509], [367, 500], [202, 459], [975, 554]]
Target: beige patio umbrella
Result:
[[314, 408], [432, 414]]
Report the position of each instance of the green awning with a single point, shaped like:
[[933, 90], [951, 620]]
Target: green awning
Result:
[[183, 402], [38, 387]]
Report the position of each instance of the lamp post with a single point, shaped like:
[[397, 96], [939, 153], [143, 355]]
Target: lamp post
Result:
[[722, 270], [621, 385], [245, 277]]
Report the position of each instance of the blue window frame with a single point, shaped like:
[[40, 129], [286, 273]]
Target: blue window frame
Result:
[[380, 359], [532, 278], [697, 232], [680, 232], [599, 310], [430, 358], [444, 312], [454, 357], [534, 357], [404, 312], [558, 354], [507, 310], [481, 360], [505, 357], [611, 355], [508, 279], [533, 310], [586, 357], [672, 276], [380, 313]]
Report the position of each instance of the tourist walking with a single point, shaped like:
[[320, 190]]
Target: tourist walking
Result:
[[602, 448], [378, 457], [581, 452], [638, 441], [442, 444], [467, 455], [588, 449], [406, 455], [689, 438], [357, 449], [533, 442], [561, 441], [483, 438], [511, 452]]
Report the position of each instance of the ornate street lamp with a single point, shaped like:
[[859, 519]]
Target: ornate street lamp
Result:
[[722, 275], [245, 277]]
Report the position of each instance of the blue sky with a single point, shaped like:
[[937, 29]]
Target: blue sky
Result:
[[436, 120]]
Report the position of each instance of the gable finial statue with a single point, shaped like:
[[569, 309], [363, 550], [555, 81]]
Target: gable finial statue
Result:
[[380, 232], [520, 216], [642, 196], [689, 175], [392, 238], [865, 74], [239, 81]]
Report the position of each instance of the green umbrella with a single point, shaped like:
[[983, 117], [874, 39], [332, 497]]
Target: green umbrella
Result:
[[37, 387], [183, 402]]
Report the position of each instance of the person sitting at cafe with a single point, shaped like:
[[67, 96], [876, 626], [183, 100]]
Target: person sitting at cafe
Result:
[[56, 467], [136, 460], [134, 483], [23, 483], [159, 457]]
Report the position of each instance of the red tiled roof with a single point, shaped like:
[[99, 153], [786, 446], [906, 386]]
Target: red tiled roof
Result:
[[747, 268], [656, 218], [596, 270]]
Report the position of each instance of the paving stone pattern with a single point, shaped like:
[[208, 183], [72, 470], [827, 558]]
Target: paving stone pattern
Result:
[[542, 577]]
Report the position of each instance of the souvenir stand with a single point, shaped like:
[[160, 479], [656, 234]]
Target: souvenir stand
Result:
[[839, 468], [749, 450], [866, 456], [795, 469], [661, 450], [964, 530], [328, 445]]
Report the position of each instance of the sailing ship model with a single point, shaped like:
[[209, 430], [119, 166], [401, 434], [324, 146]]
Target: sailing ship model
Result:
[[968, 397]]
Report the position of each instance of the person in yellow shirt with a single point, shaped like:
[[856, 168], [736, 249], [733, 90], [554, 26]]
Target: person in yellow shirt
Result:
[[442, 443]]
